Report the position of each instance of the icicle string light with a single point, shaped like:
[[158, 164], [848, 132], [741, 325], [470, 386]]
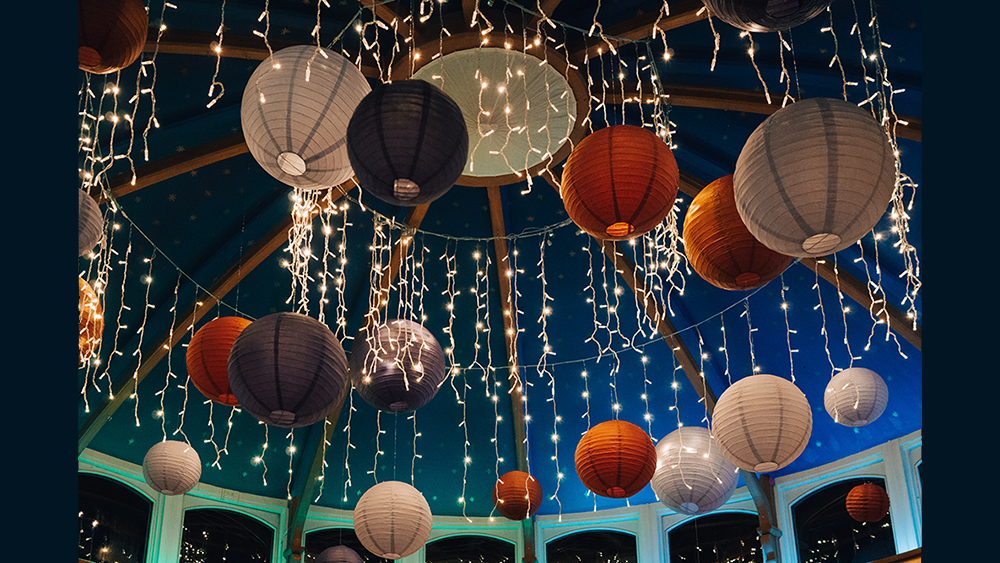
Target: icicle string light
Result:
[[217, 47]]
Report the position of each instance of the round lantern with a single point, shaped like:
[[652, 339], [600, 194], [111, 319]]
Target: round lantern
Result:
[[91, 321], [620, 182], [868, 503], [692, 476], [615, 459], [814, 177], [762, 423], [287, 369], [295, 111], [172, 468], [110, 33], [855, 397], [208, 358], [517, 495], [766, 15], [91, 223], [398, 366], [407, 142], [392, 520], [719, 246], [339, 554]]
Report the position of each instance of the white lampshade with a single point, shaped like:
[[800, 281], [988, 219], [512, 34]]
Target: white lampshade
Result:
[[692, 476], [339, 554], [814, 177], [295, 111], [91, 223], [171, 467], [762, 423], [392, 520], [856, 397]]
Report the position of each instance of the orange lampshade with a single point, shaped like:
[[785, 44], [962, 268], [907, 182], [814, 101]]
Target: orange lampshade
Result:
[[615, 459], [208, 357], [517, 495], [720, 247], [868, 503], [620, 182], [111, 34], [91, 321]]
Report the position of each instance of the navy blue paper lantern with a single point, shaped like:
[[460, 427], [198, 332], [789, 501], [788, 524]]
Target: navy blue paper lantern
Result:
[[407, 142], [398, 366], [287, 369], [766, 15]]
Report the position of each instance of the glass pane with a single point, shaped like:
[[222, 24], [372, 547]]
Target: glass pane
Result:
[[599, 546], [470, 549], [716, 538], [214, 536], [114, 520], [826, 532]]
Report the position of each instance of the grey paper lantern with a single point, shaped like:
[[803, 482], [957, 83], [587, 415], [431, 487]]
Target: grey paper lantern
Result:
[[392, 520], [762, 423], [398, 366], [339, 554], [287, 369], [295, 111], [856, 397], [171, 467], [766, 15], [814, 177], [91, 223], [692, 476]]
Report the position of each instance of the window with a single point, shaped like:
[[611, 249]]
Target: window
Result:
[[729, 537], [597, 546], [318, 540], [470, 549], [114, 520], [826, 532], [213, 535]]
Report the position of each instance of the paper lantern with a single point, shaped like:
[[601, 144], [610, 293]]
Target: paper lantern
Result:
[[171, 467], [868, 503], [720, 248], [855, 397], [398, 366], [692, 476], [814, 177], [392, 520], [91, 321], [620, 182], [762, 423], [615, 459], [287, 369], [339, 554], [407, 142], [208, 358], [766, 15], [517, 495], [91, 223], [110, 33], [295, 111]]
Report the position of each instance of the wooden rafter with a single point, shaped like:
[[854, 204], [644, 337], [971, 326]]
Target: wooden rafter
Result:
[[639, 28]]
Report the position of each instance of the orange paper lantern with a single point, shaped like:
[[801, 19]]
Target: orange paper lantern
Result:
[[721, 248], [615, 459], [91, 321], [111, 34], [517, 495], [620, 182], [208, 358], [868, 503]]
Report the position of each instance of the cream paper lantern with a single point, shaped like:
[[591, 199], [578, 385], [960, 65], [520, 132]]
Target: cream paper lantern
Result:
[[855, 397], [392, 520], [762, 423], [295, 111], [91, 223], [814, 177], [692, 476], [171, 467]]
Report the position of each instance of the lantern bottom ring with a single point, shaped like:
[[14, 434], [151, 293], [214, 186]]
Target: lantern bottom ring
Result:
[[88, 56], [620, 229], [291, 163], [765, 467], [821, 243], [405, 189], [689, 508], [280, 417], [747, 279]]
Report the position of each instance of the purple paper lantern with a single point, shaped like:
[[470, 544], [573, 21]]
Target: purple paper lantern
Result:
[[339, 554], [766, 15], [287, 369], [398, 366]]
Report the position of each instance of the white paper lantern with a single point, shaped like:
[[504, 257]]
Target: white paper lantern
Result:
[[814, 177], [171, 467], [339, 554], [692, 476], [392, 520], [295, 111], [91, 223], [762, 423], [856, 397]]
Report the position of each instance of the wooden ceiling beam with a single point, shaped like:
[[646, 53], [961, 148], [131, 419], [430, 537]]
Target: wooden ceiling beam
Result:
[[638, 28]]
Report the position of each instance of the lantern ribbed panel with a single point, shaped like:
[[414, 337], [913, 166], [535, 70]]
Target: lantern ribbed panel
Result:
[[814, 177], [287, 369], [615, 459], [720, 248], [91, 223], [856, 397], [620, 182], [867, 503], [208, 358], [766, 15], [298, 133], [398, 367], [110, 34], [407, 142], [692, 476], [517, 495], [91, 321], [339, 554], [762, 423], [171, 467], [392, 520]]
